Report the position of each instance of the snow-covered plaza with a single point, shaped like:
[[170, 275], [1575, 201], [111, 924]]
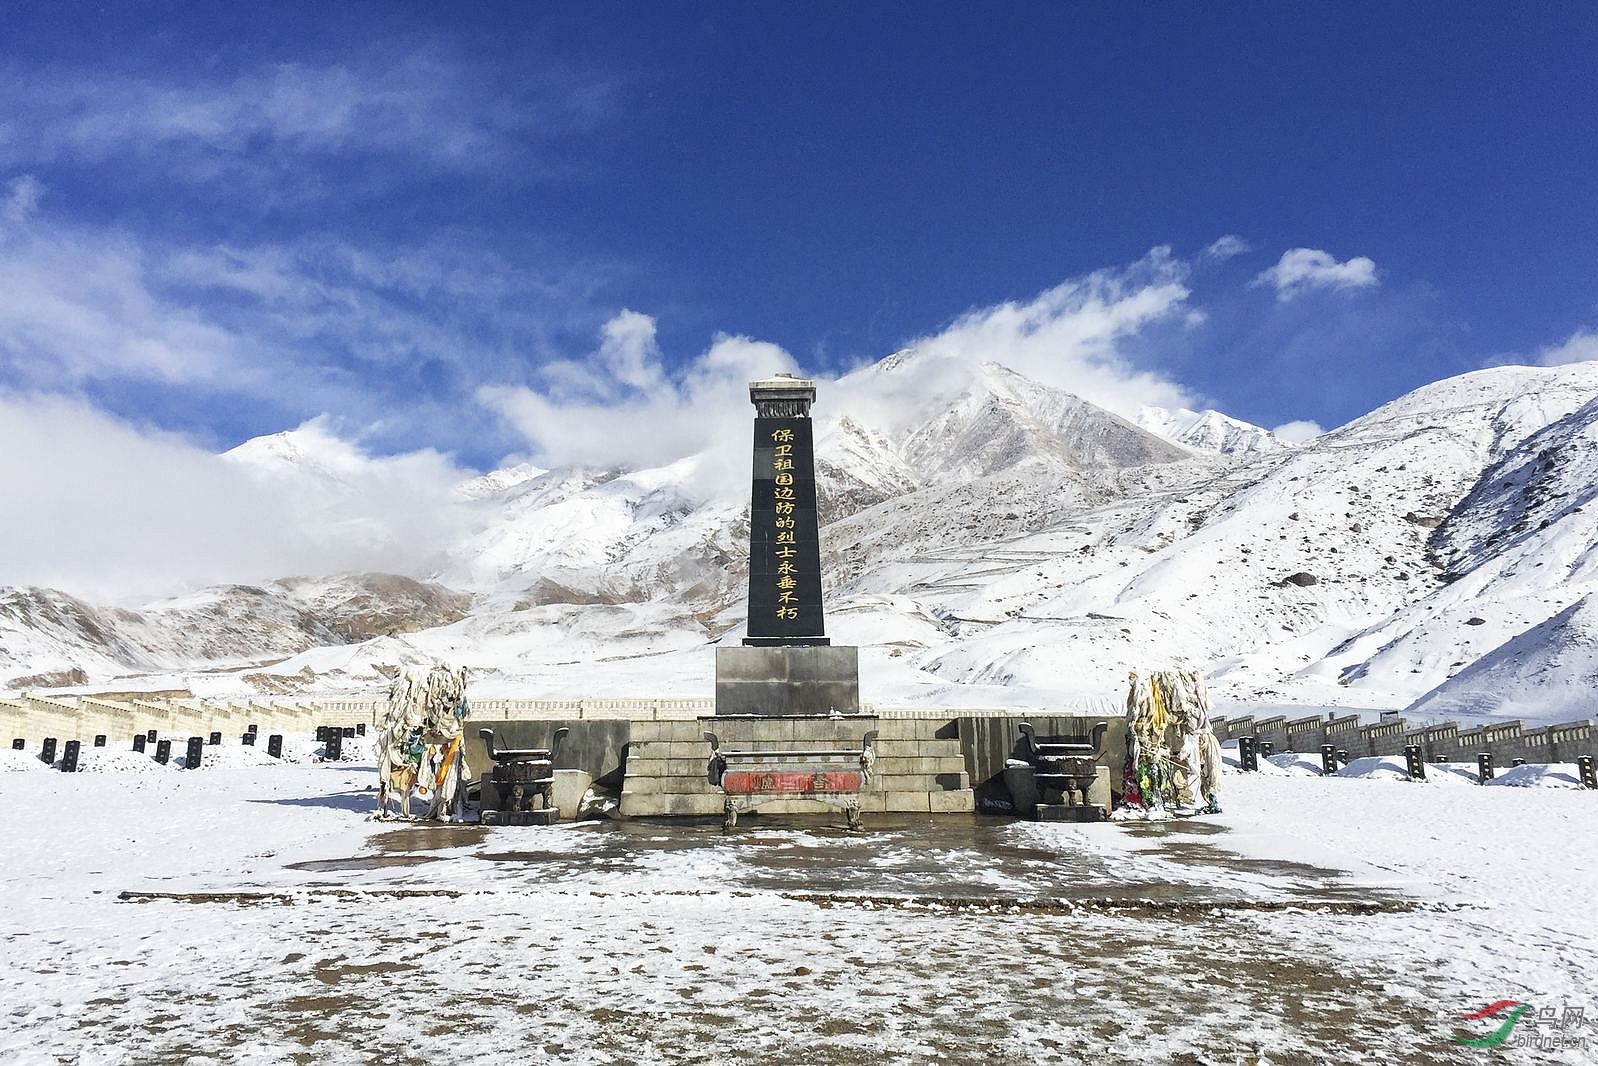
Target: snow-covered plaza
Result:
[[256, 913]]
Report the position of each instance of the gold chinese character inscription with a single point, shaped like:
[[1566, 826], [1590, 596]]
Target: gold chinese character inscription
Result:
[[780, 465], [788, 613], [784, 492], [784, 507], [786, 536], [782, 434], [784, 479], [784, 450]]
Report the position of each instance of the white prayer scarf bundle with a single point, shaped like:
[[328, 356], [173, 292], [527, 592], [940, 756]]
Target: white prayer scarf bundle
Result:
[[419, 745]]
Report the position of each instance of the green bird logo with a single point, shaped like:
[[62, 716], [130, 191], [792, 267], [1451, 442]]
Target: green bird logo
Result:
[[1499, 1035]]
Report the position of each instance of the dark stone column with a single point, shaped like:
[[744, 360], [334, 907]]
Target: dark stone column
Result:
[[784, 546], [788, 666]]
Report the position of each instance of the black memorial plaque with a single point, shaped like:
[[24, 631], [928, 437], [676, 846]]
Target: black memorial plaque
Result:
[[150, 736], [248, 740], [216, 738], [274, 745], [333, 746], [69, 757], [784, 548], [138, 742], [99, 740], [47, 752], [195, 754], [163, 751], [19, 744]]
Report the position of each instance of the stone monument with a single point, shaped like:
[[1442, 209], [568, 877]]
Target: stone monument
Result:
[[786, 665]]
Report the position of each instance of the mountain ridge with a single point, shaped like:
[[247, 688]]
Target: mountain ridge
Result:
[[1004, 538]]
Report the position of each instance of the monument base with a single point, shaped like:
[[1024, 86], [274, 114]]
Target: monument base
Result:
[[788, 681]]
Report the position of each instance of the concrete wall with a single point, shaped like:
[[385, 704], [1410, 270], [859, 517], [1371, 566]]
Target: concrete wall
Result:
[[1383, 738], [598, 747], [1343, 733], [1435, 740], [1306, 735], [989, 741], [602, 729], [1238, 727]]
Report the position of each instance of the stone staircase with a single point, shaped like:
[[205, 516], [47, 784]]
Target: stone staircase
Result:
[[916, 771]]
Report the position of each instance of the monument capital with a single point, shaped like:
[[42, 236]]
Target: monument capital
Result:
[[782, 396]]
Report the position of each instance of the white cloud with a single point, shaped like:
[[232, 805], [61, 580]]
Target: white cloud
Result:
[[1298, 432], [1581, 346], [1302, 269], [429, 106], [1070, 337], [22, 199], [622, 409], [1227, 247], [75, 307], [106, 509], [374, 334]]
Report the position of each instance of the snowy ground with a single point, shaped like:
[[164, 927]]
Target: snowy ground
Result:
[[272, 921]]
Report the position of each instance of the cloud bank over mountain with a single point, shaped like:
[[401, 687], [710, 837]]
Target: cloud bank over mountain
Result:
[[115, 511]]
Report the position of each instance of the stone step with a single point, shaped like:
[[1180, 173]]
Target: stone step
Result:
[[920, 782], [932, 748], [955, 801], [879, 782], [658, 805], [700, 749], [663, 804], [645, 766], [946, 764], [688, 786]]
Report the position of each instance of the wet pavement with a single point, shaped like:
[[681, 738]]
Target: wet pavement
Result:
[[950, 858]]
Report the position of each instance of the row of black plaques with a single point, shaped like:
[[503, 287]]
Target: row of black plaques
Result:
[[331, 737]]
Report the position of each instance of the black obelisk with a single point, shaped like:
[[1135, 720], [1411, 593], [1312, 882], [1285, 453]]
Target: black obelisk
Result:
[[784, 548], [787, 665]]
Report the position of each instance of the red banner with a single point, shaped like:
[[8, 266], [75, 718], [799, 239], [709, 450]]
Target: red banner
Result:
[[750, 782]]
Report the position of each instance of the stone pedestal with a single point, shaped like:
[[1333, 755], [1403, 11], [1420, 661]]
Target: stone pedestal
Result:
[[787, 681], [919, 767]]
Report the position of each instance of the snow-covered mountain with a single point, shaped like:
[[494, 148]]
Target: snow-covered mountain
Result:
[[48, 638], [986, 539], [1208, 431]]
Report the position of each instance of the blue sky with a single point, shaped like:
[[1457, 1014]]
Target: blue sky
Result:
[[425, 222]]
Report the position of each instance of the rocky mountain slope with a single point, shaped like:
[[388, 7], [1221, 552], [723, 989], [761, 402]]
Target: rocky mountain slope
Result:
[[48, 638], [986, 540]]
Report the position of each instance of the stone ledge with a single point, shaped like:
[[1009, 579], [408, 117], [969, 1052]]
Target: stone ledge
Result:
[[955, 801], [906, 803], [920, 782], [657, 805], [665, 786], [648, 767]]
